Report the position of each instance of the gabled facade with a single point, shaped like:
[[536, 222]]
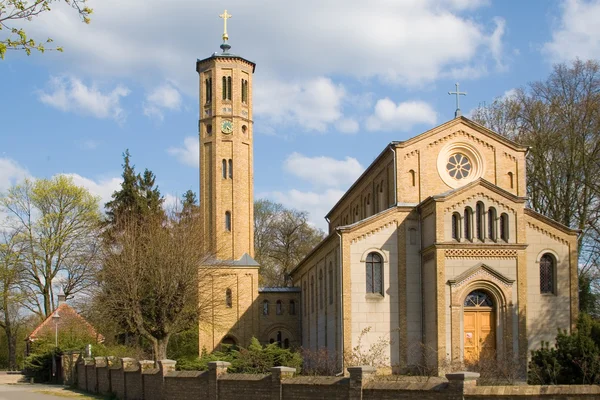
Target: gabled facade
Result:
[[433, 251]]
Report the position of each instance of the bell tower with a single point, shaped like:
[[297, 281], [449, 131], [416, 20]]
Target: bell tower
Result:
[[226, 167]]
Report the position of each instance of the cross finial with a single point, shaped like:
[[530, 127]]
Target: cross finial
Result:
[[225, 17], [458, 93]]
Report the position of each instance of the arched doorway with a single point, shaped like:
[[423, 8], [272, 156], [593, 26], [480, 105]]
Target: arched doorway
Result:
[[479, 326]]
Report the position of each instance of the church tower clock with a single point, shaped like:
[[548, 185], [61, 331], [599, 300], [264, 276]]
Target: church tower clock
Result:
[[226, 167]]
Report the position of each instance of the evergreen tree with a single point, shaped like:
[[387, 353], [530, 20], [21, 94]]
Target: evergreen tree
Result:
[[138, 196]]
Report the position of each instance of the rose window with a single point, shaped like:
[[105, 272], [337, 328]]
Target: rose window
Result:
[[458, 166]]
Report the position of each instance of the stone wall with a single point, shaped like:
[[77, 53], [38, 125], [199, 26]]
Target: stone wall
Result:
[[129, 379]]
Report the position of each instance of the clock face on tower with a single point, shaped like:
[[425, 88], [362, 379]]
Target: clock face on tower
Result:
[[227, 126]]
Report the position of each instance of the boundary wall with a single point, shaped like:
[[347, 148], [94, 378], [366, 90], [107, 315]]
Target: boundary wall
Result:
[[129, 379]]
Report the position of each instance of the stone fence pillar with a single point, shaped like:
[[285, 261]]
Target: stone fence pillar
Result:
[[215, 369], [458, 382], [277, 375], [166, 366], [358, 377]]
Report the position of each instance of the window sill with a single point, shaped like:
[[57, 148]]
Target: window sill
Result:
[[373, 297]]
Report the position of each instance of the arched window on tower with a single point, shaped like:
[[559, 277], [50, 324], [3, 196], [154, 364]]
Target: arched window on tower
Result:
[[208, 89], [228, 299], [228, 221], [224, 84], [266, 307], [278, 307], [468, 223], [547, 273], [491, 223], [292, 307], [230, 168], [224, 169], [504, 227], [511, 181], [413, 177], [456, 226], [228, 88], [479, 220], [374, 273]]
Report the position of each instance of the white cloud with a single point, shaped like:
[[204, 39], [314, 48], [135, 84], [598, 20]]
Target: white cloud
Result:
[[324, 171], [578, 34], [317, 204], [347, 125], [189, 154], [103, 188], [163, 97], [389, 116], [11, 173], [292, 39], [312, 104], [71, 94]]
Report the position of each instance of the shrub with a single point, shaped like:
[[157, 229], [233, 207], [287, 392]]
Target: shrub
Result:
[[575, 358], [255, 359]]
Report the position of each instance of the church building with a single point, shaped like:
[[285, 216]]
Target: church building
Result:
[[432, 251]]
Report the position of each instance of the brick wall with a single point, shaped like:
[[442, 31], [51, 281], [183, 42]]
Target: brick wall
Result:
[[129, 379]]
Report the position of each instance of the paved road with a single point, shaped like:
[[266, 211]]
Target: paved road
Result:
[[31, 392]]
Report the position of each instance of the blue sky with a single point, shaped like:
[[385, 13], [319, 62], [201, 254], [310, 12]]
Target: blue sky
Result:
[[335, 82]]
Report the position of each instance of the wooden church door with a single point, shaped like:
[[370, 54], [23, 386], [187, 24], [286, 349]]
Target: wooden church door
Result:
[[479, 327]]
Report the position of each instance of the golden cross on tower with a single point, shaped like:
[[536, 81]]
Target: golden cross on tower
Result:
[[225, 17]]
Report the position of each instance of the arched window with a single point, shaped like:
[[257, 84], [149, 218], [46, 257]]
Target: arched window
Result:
[[491, 223], [374, 273], [381, 197], [224, 169], [286, 343], [504, 227], [547, 272], [228, 300], [511, 180], [228, 221], [208, 89], [224, 88], [304, 298], [266, 307], [330, 282], [413, 177], [312, 294], [292, 307], [228, 88], [479, 220], [279, 338], [321, 289], [468, 223], [230, 168], [278, 308], [455, 226]]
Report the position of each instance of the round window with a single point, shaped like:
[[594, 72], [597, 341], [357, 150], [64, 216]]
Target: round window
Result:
[[458, 166]]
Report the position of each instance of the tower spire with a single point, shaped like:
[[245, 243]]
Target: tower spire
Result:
[[225, 46]]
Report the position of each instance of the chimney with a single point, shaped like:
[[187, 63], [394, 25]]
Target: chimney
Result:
[[62, 299]]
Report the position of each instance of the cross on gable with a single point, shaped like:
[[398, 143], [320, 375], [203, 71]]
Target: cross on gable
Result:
[[458, 93]]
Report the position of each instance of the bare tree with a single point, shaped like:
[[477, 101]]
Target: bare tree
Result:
[[58, 225], [559, 118], [149, 280], [282, 238]]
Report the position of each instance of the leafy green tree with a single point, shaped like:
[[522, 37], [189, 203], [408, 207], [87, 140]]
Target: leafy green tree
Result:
[[13, 11], [282, 238], [58, 225], [11, 296]]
